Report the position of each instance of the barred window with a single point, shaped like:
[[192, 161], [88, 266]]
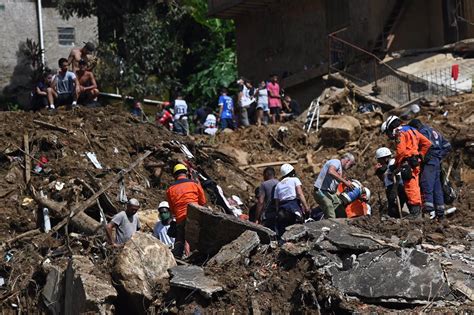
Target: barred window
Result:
[[66, 36]]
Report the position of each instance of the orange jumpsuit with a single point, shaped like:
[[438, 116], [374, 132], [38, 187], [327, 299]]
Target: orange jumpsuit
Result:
[[356, 208], [411, 143], [181, 193]]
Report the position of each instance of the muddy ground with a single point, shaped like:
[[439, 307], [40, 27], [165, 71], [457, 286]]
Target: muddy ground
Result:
[[118, 139]]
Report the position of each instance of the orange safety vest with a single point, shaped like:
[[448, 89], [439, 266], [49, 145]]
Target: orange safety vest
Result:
[[410, 142], [356, 208]]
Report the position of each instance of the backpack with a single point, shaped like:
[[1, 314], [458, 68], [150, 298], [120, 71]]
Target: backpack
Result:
[[449, 192]]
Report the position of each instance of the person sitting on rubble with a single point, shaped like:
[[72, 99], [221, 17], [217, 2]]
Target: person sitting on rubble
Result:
[[430, 182], [78, 54], [181, 124], [392, 179], [325, 186], [226, 111], [291, 108], [65, 87], [199, 118], [39, 98], [411, 148], [125, 223], [180, 194], [160, 231], [88, 91], [290, 201], [210, 125], [266, 211]]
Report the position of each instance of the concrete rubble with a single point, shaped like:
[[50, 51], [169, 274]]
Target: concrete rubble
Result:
[[338, 131], [236, 250], [193, 278]]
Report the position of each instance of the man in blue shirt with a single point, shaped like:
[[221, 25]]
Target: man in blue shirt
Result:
[[226, 110]]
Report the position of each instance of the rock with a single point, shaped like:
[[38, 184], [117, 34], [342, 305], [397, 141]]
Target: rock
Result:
[[296, 249], [337, 131], [207, 231], [86, 292], [324, 258], [408, 275], [148, 219], [240, 156], [295, 233], [52, 291], [327, 246], [340, 235], [193, 278], [414, 237], [237, 250], [140, 266]]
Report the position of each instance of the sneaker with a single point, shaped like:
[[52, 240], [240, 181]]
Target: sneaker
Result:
[[432, 215], [52, 107]]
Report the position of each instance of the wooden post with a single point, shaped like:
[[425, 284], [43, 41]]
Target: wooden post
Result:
[[27, 159]]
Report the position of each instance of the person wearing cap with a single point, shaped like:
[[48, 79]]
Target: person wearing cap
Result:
[[411, 148], [392, 180], [290, 201], [77, 54], [160, 231], [180, 194], [125, 223], [88, 91], [325, 186]]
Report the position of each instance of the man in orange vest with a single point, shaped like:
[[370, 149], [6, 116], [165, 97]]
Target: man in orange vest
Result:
[[412, 147], [180, 194]]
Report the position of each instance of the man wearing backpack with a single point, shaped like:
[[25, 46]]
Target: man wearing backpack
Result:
[[266, 211]]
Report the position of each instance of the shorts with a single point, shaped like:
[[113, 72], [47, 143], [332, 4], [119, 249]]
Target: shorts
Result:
[[64, 99], [275, 111], [263, 106], [227, 123]]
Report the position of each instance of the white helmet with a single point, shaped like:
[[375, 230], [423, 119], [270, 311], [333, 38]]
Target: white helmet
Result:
[[387, 123], [286, 169], [163, 204], [366, 192], [382, 152]]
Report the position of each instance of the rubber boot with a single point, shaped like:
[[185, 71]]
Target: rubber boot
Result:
[[415, 212]]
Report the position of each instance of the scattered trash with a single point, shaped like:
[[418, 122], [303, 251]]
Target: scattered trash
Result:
[[58, 186], [26, 201], [39, 166], [367, 108], [93, 158]]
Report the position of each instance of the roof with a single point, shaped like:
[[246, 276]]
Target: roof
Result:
[[228, 9]]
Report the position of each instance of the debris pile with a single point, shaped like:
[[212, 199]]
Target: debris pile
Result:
[[66, 174]]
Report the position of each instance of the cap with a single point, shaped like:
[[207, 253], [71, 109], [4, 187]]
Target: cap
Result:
[[133, 202], [163, 204], [89, 46]]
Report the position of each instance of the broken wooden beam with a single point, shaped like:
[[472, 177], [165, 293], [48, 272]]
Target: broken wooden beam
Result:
[[51, 126], [26, 143], [269, 164]]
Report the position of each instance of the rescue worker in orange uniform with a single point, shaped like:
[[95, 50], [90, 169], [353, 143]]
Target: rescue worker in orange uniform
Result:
[[180, 194], [412, 147]]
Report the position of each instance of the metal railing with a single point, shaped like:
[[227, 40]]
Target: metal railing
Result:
[[369, 72]]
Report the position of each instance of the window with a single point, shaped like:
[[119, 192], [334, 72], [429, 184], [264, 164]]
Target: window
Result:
[[66, 36]]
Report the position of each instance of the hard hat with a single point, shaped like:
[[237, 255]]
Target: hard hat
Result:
[[163, 204], [366, 192], [382, 152], [133, 202], [179, 167], [356, 183], [286, 169], [386, 125]]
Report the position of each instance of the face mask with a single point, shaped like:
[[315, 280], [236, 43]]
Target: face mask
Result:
[[164, 216]]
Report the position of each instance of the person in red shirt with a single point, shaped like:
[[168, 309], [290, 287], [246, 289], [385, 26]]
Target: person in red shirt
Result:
[[165, 117], [412, 147], [180, 194]]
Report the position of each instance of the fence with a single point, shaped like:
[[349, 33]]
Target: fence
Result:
[[369, 72]]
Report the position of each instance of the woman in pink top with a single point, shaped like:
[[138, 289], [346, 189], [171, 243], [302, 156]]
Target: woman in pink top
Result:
[[274, 101]]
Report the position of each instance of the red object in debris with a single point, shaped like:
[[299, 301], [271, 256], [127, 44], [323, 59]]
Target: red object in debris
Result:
[[455, 72], [43, 159]]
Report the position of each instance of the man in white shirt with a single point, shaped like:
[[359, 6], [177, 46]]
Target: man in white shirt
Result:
[[246, 99], [160, 231], [181, 125]]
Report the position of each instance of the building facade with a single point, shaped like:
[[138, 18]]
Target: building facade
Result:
[[290, 37], [20, 21]]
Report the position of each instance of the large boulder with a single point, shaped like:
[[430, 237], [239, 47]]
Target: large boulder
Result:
[[140, 266], [338, 131]]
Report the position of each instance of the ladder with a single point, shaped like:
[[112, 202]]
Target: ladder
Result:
[[312, 112]]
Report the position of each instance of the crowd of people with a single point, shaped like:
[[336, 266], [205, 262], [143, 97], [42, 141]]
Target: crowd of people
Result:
[[74, 83], [261, 105]]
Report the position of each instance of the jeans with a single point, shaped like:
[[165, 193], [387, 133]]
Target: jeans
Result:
[[431, 187], [179, 243], [181, 126], [244, 117], [227, 123]]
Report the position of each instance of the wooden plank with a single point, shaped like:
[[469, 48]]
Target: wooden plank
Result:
[[50, 126], [27, 158], [269, 164]]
